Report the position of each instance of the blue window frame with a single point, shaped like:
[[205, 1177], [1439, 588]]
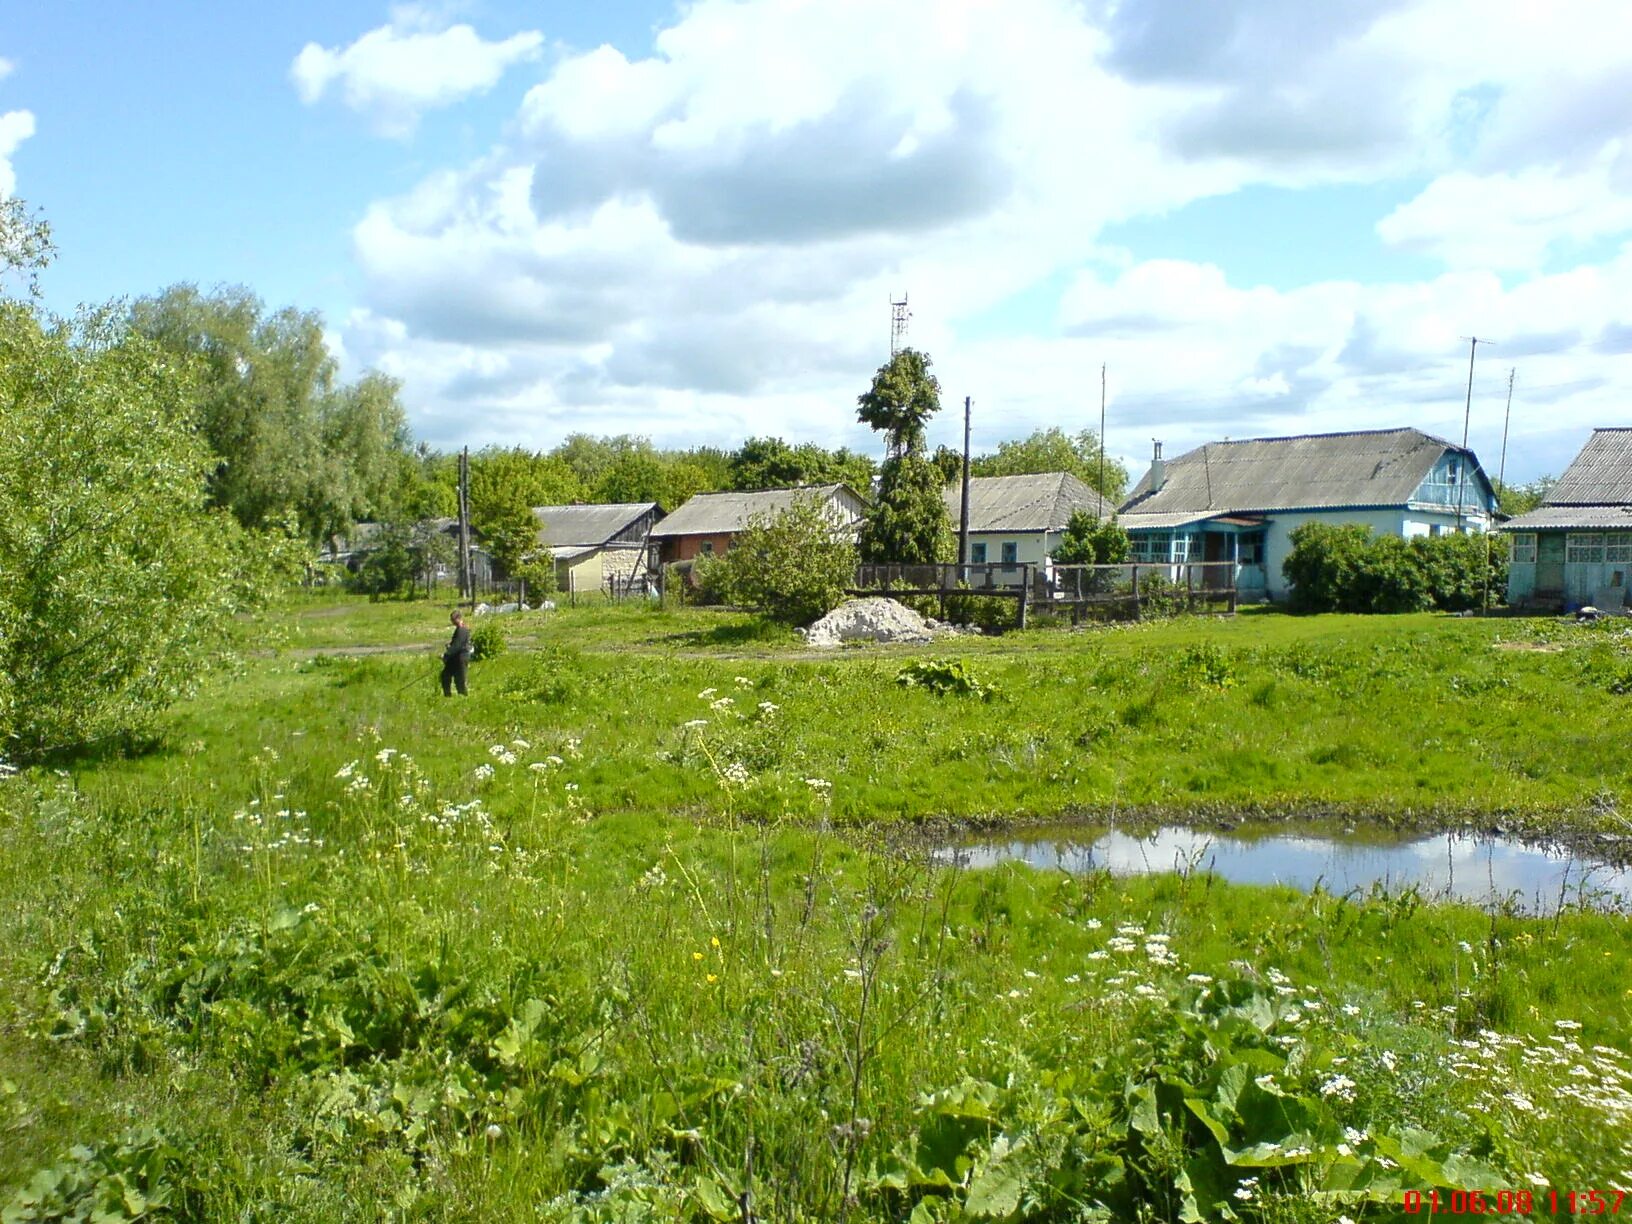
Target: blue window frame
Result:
[[977, 554], [1011, 553]]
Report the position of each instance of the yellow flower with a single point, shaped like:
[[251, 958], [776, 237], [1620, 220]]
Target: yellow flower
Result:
[[714, 941], [696, 956], [712, 978]]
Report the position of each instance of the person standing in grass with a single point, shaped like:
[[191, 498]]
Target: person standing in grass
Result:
[[456, 658]]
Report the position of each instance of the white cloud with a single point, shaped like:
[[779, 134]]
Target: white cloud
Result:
[[6, 68], [1514, 220], [397, 72], [702, 241], [15, 127]]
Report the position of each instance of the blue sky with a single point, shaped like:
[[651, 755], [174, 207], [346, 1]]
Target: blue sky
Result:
[[687, 222]]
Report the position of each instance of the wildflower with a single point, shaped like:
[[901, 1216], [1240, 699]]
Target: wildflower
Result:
[[696, 722], [1093, 924], [696, 956], [494, 1130], [520, 745], [1029, 974], [1339, 1086], [345, 771], [713, 977], [721, 703], [1267, 1083], [1570, 1025], [1387, 1059], [768, 707], [1200, 979], [707, 694], [744, 681], [1072, 979], [539, 767], [1349, 1009], [820, 785], [7, 770], [1245, 1190], [713, 941], [736, 774], [483, 772], [384, 755], [1464, 945], [554, 762]]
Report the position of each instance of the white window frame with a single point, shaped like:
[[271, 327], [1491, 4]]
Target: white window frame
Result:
[[1584, 548], [1618, 547], [1524, 548]]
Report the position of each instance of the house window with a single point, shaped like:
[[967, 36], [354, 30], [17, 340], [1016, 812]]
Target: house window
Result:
[[977, 553], [1181, 547], [1524, 548], [1011, 552], [1585, 548], [1251, 548], [1149, 546], [1618, 546], [706, 547], [1453, 472]]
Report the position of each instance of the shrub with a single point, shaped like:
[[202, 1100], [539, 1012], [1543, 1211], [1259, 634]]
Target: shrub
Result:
[[1160, 597], [1089, 540], [793, 566], [117, 585], [1345, 569], [489, 639]]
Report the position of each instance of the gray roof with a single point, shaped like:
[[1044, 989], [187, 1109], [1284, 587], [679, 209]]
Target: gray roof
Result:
[[1379, 467], [1601, 475], [583, 525], [1178, 518], [723, 513], [1042, 502], [1583, 518]]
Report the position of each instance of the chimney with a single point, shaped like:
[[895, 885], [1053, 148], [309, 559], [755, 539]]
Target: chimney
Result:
[[1158, 470]]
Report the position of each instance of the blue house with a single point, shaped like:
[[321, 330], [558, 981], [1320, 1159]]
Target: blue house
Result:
[[1575, 548], [1240, 501]]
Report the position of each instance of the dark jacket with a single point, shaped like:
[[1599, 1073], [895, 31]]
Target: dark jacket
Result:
[[459, 646]]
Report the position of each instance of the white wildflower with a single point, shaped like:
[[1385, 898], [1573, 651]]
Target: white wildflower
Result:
[[721, 703], [707, 694], [346, 770], [520, 745], [483, 772]]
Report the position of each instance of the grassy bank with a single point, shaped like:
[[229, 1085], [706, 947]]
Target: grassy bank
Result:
[[339, 949]]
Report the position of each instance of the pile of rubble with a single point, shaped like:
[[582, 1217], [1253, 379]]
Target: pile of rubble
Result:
[[874, 620]]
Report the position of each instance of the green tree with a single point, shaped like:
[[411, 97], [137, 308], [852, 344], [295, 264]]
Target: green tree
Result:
[[793, 566], [1514, 500], [25, 244], [636, 475], [1090, 540], [118, 584], [903, 397], [1053, 450], [908, 523]]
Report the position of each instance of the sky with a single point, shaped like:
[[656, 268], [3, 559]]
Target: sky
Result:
[[688, 221]]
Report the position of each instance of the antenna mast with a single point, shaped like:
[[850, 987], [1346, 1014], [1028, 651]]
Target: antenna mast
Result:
[[899, 314]]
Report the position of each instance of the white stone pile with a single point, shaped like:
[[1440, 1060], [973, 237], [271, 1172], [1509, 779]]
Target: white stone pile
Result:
[[873, 620]]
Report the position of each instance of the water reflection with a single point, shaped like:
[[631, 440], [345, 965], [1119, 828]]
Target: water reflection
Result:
[[1477, 869]]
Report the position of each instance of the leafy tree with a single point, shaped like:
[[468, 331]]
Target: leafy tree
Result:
[[903, 397], [1515, 500], [1053, 450], [118, 584], [390, 566], [908, 523], [502, 514], [794, 566], [636, 475], [949, 463], [25, 243], [1089, 540], [1345, 569], [771, 463], [360, 465]]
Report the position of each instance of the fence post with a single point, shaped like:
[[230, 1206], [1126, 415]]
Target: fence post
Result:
[[1138, 612], [1025, 591], [1189, 588]]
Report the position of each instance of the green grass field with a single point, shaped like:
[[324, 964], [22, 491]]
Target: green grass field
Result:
[[634, 933]]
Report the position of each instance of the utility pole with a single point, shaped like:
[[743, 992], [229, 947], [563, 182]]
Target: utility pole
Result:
[[963, 515], [1501, 481], [899, 314], [465, 584], [1102, 431], [1467, 415]]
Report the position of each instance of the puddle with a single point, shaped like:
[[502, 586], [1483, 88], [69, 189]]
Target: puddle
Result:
[[1480, 870]]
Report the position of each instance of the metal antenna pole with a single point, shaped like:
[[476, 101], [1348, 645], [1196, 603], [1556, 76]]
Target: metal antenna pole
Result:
[[1467, 415], [1501, 480], [1101, 433], [963, 515]]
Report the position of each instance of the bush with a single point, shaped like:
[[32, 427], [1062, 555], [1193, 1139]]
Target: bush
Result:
[[489, 639], [1089, 540], [1160, 597], [117, 585], [943, 677], [793, 566], [1346, 569]]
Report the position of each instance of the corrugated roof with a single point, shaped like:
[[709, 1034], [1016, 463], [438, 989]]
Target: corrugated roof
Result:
[[1179, 518], [1585, 518], [1601, 475], [722, 513], [573, 552], [1041, 502], [591, 524], [1380, 467]]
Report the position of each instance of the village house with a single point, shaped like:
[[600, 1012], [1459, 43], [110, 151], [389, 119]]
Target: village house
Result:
[[1017, 520], [599, 547], [1240, 501], [348, 552], [1575, 549], [708, 523]]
